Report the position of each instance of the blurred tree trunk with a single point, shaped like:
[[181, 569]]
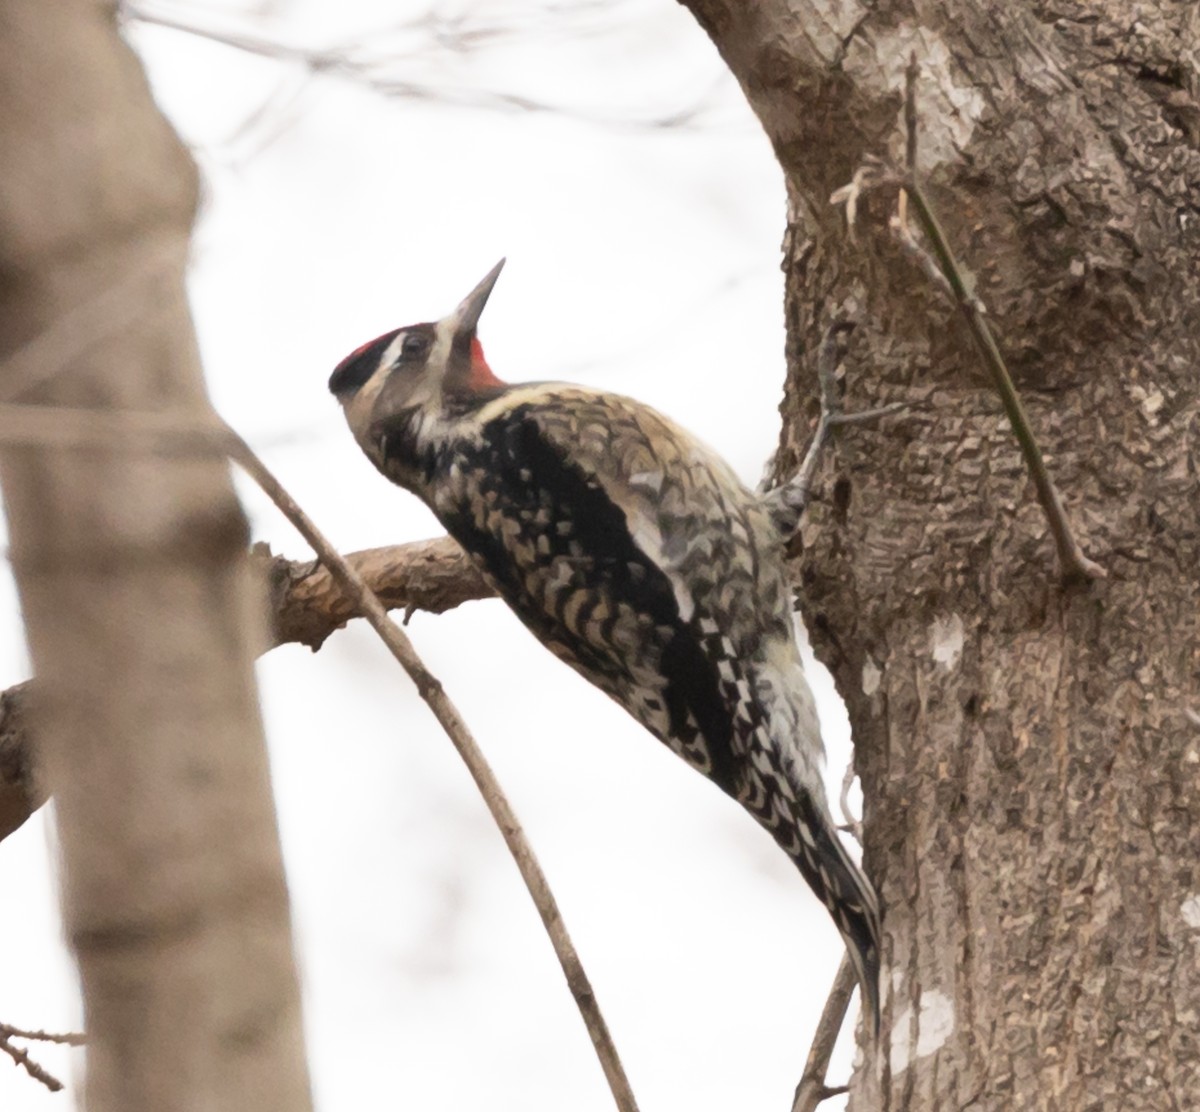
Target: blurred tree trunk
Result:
[[138, 606], [1030, 762]]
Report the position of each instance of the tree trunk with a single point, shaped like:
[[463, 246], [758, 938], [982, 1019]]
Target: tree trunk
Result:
[[136, 595], [1028, 751]]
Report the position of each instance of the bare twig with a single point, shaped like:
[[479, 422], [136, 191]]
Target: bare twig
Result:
[[21, 1057], [378, 73], [812, 1088], [184, 433], [1075, 564], [70, 1038], [434, 694], [306, 606]]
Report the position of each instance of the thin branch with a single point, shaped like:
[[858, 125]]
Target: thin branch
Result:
[[1075, 564], [182, 432], [434, 694], [22, 1059], [70, 1038], [353, 63], [306, 606], [812, 1088]]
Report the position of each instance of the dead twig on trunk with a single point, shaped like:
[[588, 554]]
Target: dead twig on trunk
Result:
[[945, 274], [1075, 564]]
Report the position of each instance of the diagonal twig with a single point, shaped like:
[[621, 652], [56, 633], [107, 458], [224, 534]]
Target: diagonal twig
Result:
[[1075, 564], [355, 63], [431, 690], [185, 433], [812, 1088], [21, 1057], [306, 605]]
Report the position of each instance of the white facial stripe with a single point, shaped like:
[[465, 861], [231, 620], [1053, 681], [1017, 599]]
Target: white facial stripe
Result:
[[361, 406], [393, 351], [443, 337]]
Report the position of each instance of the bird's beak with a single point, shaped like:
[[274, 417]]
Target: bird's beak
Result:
[[466, 316]]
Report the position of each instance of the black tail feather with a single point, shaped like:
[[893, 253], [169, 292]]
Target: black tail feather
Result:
[[844, 890]]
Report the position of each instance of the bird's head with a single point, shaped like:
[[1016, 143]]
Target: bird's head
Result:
[[418, 374]]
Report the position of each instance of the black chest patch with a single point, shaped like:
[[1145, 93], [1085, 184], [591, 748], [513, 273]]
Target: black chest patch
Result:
[[561, 554]]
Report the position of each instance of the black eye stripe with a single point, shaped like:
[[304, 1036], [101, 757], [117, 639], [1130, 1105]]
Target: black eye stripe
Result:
[[353, 371]]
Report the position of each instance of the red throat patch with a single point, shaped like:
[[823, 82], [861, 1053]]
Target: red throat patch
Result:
[[481, 374]]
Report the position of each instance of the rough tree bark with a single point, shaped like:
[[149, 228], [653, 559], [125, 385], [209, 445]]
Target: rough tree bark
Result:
[[136, 595], [1030, 765]]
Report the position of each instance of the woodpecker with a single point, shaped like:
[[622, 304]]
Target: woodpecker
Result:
[[634, 554]]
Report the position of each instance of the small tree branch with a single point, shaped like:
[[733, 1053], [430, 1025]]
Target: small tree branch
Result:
[[1075, 564], [812, 1088], [70, 1038], [306, 606], [308, 603], [386, 74], [21, 1058], [431, 690]]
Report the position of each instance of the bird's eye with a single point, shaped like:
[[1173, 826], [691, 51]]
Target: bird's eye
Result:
[[414, 346]]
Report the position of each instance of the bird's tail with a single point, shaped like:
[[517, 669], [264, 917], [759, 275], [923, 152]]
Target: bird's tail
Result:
[[844, 890]]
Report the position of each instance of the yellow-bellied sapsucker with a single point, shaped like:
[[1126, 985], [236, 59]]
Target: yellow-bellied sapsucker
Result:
[[634, 554]]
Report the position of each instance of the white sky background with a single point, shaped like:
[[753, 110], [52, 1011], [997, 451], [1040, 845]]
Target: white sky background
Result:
[[642, 259]]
